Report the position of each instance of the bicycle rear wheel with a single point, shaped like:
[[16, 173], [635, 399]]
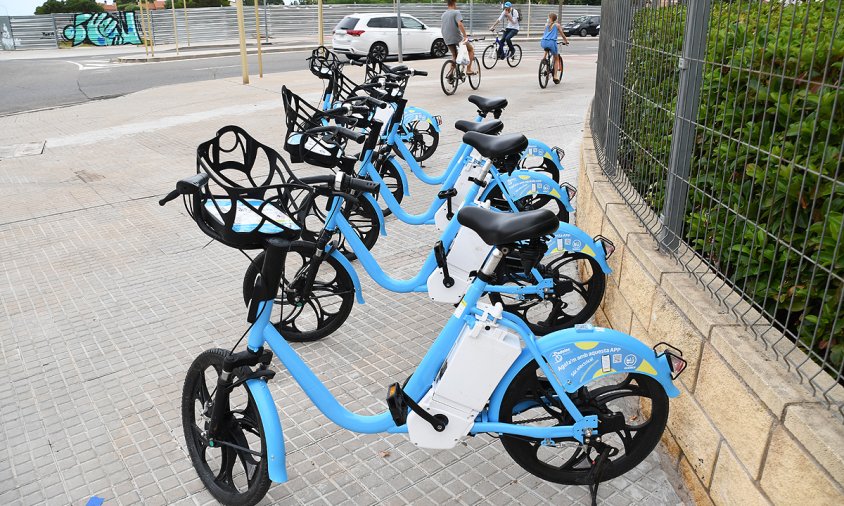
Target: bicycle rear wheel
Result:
[[632, 412], [231, 475], [448, 77], [544, 72], [475, 80], [490, 56], [516, 58]]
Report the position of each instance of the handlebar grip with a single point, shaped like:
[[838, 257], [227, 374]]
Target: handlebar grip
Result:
[[361, 185], [422, 73], [170, 196]]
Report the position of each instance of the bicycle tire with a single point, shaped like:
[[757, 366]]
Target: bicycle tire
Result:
[[516, 58], [418, 147], [535, 312], [490, 56], [239, 423], [361, 216], [543, 73], [334, 280], [449, 84], [475, 80], [529, 399], [390, 175]]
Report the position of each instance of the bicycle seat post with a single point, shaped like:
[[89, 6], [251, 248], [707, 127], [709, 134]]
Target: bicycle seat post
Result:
[[267, 286]]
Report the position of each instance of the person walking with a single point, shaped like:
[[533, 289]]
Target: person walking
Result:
[[509, 17], [454, 33]]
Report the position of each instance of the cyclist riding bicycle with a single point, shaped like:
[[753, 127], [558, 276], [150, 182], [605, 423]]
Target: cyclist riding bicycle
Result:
[[512, 18], [454, 33], [549, 42]]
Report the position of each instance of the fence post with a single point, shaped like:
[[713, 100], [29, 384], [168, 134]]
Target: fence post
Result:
[[621, 24], [683, 134], [55, 30]]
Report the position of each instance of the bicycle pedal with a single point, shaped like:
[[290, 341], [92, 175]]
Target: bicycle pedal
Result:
[[397, 404]]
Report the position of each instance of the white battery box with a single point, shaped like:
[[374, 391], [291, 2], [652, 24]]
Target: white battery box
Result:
[[474, 367], [467, 254]]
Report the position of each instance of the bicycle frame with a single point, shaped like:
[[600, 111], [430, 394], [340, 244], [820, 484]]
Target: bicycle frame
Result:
[[549, 352]]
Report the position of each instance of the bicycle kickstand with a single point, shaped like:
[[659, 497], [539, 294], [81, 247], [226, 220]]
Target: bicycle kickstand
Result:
[[598, 465]]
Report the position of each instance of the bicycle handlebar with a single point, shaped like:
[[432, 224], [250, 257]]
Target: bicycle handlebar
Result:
[[187, 186], [341, 131]]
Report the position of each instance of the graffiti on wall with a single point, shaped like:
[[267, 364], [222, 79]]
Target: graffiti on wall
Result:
[[103, 29]]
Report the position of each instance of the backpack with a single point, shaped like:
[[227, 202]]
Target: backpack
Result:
[[516, 16]]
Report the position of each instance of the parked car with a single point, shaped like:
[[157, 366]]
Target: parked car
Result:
[[583, 26], [376, 35]]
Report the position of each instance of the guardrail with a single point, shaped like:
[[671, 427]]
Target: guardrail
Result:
[[215, 24]]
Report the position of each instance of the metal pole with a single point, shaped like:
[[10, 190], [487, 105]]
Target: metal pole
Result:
[[187, 26], [685, 117], [144, 28], [471, 17], [398, 23], [150, 35], [175, 29], [241, 30], [319, 23], [528, 20], [266, 23], [560, 11], [258, 39]]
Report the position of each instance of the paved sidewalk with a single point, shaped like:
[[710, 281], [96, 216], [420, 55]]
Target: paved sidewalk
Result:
[[107, 297]]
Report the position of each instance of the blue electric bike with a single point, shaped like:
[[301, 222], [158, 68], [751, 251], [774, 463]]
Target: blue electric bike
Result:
[[319, 283], [577, 407]]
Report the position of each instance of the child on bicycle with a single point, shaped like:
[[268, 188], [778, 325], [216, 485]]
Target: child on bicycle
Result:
[[549, 42]]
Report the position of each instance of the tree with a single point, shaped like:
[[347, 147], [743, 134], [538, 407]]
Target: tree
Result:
[[56, 6]]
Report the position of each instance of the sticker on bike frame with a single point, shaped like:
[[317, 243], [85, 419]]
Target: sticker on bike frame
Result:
[[522, 186], [458, 312], [581, 361], [535, 151], [417, 116], [246, 219], [563, 241]]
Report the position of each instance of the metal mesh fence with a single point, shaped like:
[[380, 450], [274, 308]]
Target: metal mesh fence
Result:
[[722, 125]]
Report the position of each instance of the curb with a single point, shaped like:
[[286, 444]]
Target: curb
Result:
[[235, 50]]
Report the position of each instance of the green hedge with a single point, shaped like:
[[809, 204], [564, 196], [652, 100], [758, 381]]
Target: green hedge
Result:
[[768, 148]]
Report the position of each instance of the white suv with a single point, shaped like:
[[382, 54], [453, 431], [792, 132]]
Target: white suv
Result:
[[376, 35]]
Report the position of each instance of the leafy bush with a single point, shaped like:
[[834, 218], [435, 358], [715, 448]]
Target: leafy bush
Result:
[[766, 197]]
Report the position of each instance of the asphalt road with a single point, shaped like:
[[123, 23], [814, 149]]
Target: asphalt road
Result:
[[43, 83]]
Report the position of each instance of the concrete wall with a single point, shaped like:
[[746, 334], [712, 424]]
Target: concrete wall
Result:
[[743, 431]]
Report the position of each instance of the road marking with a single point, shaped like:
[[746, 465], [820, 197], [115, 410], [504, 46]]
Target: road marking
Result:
[[94, 64], [220, 67]]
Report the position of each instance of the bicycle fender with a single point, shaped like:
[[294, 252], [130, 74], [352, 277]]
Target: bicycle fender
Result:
[[521, 183], [577, 356], [273, 434], [402, 174], [352, 274], [378, 212], [417, 114], [540, 149], [570, 238]]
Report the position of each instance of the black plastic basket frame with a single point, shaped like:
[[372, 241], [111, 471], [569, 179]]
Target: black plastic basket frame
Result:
[[300, 116], [278, 191]]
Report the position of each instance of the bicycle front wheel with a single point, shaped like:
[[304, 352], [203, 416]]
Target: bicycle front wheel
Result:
[[632, 412], [544, 72], [514, 59], [301, 313], [448, 77], [475, 80], [490, 56], [232, 474]]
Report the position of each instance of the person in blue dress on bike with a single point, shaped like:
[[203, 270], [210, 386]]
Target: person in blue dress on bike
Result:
[[510, 17], [549, 42]]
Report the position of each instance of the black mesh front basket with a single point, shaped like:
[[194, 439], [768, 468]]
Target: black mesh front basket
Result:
[[251, 193], [323, 63], [300, 116]]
